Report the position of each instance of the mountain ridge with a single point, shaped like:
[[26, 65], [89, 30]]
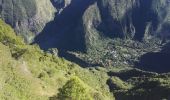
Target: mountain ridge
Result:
[[103, 30]]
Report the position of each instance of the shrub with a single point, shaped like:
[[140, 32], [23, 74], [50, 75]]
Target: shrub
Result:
[[116, 83], [74, 89]]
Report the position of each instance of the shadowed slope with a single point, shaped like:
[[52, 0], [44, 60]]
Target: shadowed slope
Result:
[[61, 32], [156, 61]]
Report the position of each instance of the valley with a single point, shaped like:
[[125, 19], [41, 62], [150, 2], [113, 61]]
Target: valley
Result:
[[84, 50]]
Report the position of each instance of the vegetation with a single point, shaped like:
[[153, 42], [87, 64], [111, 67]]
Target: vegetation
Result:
[[74, 89], [28, 73], [8, 36], [136, 84], [109, 33]]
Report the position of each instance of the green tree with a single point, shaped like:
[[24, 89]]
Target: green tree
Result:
[[74, 89]]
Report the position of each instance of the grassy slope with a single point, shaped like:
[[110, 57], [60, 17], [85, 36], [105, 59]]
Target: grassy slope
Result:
[[27, 73]]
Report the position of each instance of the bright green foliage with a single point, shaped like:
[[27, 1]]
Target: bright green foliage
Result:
[[16, 82], [28, 73], [8, 36], [74, 89], [117, 84]]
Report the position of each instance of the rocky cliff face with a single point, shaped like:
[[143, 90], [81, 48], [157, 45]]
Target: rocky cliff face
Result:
[[144, 22], [27, 17], [134, 19]]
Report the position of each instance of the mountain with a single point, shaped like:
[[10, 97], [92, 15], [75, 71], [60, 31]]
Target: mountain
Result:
[[28, 18], [87, 21], [107, 32], [84, 50], [91, 20]]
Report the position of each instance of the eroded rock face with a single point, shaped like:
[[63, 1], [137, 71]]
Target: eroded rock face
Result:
[[134, 18], [27, 17]]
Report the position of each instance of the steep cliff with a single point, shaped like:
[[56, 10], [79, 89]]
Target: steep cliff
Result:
[[28, 18], [134, 19]]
